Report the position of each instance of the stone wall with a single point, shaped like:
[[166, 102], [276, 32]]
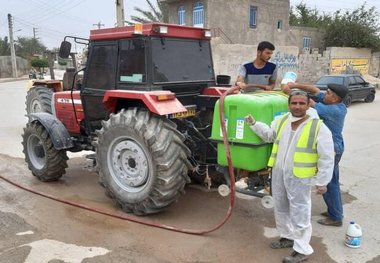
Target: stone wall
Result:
[[349, 52], [308, 66], [349, 60], [228, 57], [6, 66], [374, 67], [312, 66]]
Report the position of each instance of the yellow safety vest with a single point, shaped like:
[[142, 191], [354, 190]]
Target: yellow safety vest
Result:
[[305, 157]]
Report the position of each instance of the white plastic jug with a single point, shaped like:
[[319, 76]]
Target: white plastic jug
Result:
[[353, 235], [289, 77]]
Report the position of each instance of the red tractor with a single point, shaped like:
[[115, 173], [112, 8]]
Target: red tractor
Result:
[[40, 90], [145, 107]]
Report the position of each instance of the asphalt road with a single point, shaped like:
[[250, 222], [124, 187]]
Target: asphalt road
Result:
[[36, 229]]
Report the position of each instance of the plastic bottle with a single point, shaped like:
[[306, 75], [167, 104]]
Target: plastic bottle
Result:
[[289, 77], [353, 235]]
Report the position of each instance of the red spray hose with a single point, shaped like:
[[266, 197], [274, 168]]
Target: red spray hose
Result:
[[148, 223]]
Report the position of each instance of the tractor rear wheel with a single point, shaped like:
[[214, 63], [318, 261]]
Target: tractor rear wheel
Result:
[[142, 161], [38, 99], [45, 162]]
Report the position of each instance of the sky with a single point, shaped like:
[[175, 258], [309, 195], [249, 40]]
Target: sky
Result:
[[51, 20]]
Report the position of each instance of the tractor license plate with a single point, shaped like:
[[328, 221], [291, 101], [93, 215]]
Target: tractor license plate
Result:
[[184, 114]]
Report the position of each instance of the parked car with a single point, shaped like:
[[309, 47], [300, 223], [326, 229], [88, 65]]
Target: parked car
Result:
[[358, 88]]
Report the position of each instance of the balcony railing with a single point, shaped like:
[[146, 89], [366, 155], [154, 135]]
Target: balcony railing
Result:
[[218, 32]]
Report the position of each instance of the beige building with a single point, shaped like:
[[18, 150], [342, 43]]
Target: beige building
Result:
[[239, 25], [244, 21], [235, 21], [307, 39]]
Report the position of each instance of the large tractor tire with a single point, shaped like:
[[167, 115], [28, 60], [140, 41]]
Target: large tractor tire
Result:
[[142, 161], [38, 99], [45, 162]]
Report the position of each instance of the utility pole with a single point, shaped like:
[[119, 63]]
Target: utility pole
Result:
[[12, 43], [50, 56], [99, 25], [120, 13], [34, 32]]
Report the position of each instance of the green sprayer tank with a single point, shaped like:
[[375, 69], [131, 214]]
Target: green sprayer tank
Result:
[[248, 151]]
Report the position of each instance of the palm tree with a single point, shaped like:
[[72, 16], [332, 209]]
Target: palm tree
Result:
[[158, 13]]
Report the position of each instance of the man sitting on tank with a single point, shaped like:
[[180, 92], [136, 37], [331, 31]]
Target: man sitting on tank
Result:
[[259, 74]]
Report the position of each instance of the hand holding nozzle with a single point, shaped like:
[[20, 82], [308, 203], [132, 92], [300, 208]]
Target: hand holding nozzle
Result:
[[285, 88], [250, 120], [240, 84]]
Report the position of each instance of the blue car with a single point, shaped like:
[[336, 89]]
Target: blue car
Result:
[[358, 88]]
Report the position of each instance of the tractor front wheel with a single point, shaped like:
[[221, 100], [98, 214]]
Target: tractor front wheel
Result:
[[45, 162], [38, 99], [142, 161]]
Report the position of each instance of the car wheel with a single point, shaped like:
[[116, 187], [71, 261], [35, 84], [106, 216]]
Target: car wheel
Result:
[[370, 97], [347, 101]]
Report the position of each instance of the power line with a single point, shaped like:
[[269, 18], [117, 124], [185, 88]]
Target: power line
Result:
[[50, 11], [43, 32]]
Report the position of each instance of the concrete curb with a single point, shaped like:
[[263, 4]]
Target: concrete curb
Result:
[[2, 80]]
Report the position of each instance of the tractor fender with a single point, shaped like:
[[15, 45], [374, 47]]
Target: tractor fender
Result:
[[159, 102], [55, 85], [58, 133]]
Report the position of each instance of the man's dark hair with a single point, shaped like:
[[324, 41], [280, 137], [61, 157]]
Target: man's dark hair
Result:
[[265, 45]]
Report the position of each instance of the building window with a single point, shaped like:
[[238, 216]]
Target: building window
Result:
[[181, 15], [279, 24], [253, 16], [306, 42], [198, 14]]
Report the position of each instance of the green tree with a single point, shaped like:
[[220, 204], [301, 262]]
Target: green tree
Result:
[[4, 47], [27, 47], [301, 15], [62, 61], [40, 63], [156, 13], [359, 28]]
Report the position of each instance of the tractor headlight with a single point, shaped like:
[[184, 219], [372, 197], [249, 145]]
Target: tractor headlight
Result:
[[207, 33], [161, 29]]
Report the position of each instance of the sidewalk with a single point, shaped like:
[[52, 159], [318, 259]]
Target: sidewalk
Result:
[[24, 77]]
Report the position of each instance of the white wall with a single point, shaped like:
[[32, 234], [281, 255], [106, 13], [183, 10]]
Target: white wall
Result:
[[228, 57]]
